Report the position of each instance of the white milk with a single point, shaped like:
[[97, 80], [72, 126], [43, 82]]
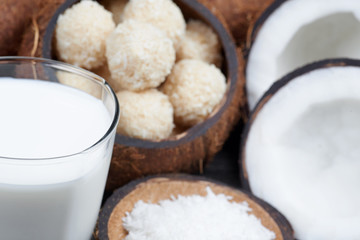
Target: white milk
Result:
[[50, 199]]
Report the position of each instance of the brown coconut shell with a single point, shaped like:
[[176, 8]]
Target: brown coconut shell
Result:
[[14, 18], [155, 189], [191, 150], [267, 96], [31, 43], [240, 15]]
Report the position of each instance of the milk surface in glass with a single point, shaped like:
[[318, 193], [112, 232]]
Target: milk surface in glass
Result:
[[51, 181]]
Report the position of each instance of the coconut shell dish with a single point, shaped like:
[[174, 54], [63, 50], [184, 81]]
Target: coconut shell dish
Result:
[[155, 189], [188, 151]]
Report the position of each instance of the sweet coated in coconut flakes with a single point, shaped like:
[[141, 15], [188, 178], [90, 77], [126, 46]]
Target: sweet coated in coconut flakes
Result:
[[163, 14], [139, 55], [200, 42], [212, 217], [195, 89], [81, 33], [146, 115]]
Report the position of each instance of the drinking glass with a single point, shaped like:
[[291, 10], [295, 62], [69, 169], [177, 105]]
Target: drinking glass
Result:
[[56, 198]]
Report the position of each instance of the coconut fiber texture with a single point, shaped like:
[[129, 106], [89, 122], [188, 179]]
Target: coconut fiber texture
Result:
[[31, 42], [14, 17], [240, 15]]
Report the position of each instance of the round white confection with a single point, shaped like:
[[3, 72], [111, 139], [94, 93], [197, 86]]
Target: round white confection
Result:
[[163, 14], [194, 88], [200, 42], [81, 33], [139, 55], [145, 115]]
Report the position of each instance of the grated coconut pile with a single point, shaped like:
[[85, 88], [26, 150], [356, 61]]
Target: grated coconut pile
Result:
[[212, 217]]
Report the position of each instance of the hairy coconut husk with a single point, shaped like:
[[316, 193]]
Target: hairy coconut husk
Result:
[[15, 15], [240, 15], [156, 188], [32, 40]]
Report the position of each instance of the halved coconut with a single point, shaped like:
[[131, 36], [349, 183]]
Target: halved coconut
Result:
[[293, 33], [192, 149], [301, 149], [166, 187]]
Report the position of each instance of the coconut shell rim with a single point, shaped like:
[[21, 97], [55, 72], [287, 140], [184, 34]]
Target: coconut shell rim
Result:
[[255, 28], [112, 201], [276, 86], [251, 36], [230, 57]]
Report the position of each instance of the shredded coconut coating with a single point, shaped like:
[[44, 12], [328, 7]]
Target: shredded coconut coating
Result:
[[212, 217], [139, 55], [145, 115], [200, 42], [79, 82], [81, 33], [164, 14], [194, 88], [116, 7]]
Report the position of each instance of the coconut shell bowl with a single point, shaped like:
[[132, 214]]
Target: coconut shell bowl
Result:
[[188, 151], [153, 189]]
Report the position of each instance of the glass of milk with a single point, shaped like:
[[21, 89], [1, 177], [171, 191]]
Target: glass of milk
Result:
[[57, 130]]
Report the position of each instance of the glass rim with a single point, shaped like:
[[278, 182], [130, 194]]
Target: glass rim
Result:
[[76, 70]]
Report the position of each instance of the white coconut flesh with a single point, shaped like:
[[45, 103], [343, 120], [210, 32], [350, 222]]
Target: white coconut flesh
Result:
[[302, 153], [300, 32]]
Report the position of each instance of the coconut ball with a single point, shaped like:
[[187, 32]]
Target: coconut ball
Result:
[[81, 33], [139, 55], [200, 42], [116, 7], [79, 82], [194, 88], [146, 115], [163, 14]]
